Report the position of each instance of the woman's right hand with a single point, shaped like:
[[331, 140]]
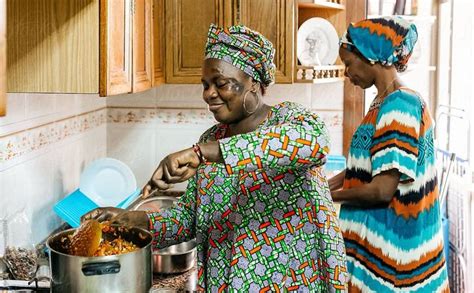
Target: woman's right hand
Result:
[[174, 168]]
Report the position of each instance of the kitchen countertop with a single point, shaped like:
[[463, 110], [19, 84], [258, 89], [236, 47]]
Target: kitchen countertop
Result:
[[184, 282]]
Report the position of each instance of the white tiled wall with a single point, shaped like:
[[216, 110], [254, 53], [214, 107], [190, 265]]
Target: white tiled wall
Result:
[[49, 168]]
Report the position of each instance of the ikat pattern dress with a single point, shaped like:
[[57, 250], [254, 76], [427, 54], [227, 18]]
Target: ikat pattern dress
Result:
[[263, 221], [396, 247]]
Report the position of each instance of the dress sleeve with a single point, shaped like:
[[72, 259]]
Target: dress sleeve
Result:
[[397, 132], [300, 141], [177, 224]]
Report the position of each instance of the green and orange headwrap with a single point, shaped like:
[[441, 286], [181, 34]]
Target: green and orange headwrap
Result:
[[244, 48]]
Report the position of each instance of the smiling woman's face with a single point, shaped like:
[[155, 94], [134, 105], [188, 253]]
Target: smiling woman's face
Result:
[[358, 70], [224, 87]]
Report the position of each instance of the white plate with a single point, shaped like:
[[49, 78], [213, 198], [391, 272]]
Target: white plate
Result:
[[318, 43], [107, 182]]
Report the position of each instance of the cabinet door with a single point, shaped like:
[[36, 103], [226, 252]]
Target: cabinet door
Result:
[[53, 46], [115, 47], [142, 45], [275, 20], [158, 27], [3, 56], [187, 23]]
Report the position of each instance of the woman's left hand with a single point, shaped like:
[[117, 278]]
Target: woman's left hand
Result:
[[131, 219], [174, 168]]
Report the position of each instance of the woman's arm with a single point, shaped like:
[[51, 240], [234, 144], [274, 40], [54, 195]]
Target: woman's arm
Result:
[[176, 224], [299, 142], [380, 190], [336, 181]]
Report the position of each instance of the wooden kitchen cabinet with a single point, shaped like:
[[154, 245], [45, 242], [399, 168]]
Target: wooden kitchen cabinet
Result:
[[3, 57], [81, 46], [187, 23], [275, 20]]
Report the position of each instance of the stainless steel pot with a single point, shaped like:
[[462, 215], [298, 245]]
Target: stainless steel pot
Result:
[[175, 258], [128, 272]]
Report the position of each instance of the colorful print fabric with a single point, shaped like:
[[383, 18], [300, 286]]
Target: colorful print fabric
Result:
[[387, 40], [244, 48], [399, 247], [264, 221]]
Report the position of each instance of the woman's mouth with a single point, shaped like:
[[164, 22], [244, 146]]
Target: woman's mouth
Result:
[[215, 106]]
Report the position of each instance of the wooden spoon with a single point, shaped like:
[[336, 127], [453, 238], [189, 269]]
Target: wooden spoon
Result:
[[86, 240]]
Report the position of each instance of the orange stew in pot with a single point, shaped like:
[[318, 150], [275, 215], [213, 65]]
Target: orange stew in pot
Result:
[[79, 243]]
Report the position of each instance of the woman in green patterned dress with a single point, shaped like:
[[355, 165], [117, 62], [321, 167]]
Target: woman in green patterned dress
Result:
[[256, 202]]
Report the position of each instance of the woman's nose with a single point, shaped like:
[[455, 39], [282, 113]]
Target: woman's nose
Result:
[[210, 93]]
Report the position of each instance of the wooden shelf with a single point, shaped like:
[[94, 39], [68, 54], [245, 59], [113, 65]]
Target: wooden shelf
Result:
[[319, 74], [321, 4]]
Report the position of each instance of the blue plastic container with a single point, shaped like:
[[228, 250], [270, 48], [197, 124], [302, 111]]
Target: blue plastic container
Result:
[[75, 205]]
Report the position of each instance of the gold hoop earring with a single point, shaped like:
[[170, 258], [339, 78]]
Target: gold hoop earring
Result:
[[244, 102]]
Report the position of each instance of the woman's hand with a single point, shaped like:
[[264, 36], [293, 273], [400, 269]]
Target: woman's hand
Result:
[[131, 219], [174, 168], [116, 216]]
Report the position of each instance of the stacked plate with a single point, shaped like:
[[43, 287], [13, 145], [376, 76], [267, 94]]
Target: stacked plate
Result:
[[105, 182]]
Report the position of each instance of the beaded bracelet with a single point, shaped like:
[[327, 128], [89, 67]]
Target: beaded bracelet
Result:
[[198, 152]]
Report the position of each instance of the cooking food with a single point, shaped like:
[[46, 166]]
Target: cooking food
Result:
[[116, 246], [95, 239], [86, 240]]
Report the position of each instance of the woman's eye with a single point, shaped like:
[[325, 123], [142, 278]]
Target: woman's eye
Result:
[[222, 84]]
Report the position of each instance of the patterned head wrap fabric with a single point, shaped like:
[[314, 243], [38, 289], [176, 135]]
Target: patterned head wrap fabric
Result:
[[387, 40], [244, 48]]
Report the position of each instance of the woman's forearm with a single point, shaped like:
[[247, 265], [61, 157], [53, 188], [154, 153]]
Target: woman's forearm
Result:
[[337, 181], [365, 195], [380, 191]]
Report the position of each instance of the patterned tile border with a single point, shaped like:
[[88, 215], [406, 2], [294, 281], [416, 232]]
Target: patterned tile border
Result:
[[26, 141], [126, 115], [331, 118]]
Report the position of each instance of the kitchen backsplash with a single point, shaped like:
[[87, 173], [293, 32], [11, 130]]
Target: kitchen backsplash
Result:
[[46, 140]]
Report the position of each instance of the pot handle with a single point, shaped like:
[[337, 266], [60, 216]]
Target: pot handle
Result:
[[101, 268]]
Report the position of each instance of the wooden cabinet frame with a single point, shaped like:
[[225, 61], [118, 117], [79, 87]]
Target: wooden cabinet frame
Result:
[[353, 96], [3, 57], [115, 67]]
